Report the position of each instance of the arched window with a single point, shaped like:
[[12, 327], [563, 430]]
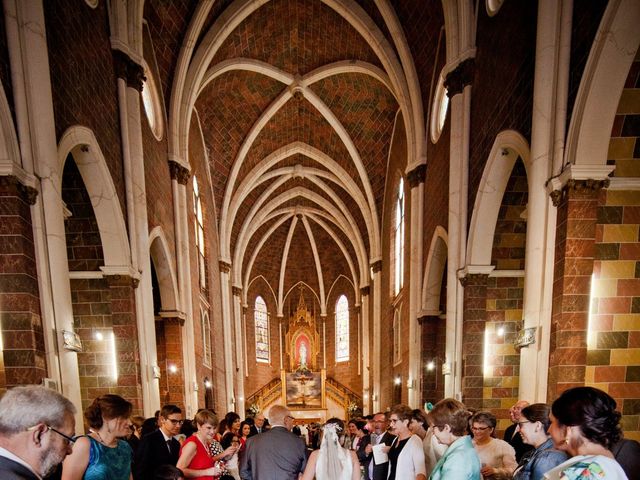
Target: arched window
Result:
[[198, 224], [399, 240], [396, 336], [261, 318], [206, 339], [342, 329]]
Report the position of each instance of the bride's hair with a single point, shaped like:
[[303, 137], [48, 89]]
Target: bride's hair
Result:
[[333, 460]]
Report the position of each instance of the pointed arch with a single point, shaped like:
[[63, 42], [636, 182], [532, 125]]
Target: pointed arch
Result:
[[163, 264], [81, 143], [434, 272], [610, 58], [507, 147]]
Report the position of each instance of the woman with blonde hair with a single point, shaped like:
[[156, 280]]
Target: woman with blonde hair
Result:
[[195, 459]]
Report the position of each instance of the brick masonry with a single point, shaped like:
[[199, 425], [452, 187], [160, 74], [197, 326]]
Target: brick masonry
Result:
[[23, 356]]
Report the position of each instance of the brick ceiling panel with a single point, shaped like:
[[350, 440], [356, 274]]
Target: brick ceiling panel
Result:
[[367, 111], [167, 23], [301, 264], [269, 257], [296, 36], [331, 257], [256, 238], [228, 107], [422, 21], [299, 121]]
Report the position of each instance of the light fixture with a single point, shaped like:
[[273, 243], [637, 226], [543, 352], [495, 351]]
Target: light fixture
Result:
[[397, 380], [431, 365], [207, 383], [241, 399], [173, 368], [501, 332], [99, 336]]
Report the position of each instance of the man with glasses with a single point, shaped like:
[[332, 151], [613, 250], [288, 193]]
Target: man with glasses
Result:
[[276, 453], [378, 436], [511, 435], [159, 447], [37, 427]]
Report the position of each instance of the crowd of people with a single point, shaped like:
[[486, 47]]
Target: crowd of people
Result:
[[577, 437]]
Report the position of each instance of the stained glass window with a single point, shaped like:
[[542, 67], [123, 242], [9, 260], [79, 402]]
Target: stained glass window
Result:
[[342, 329], [261, 318]]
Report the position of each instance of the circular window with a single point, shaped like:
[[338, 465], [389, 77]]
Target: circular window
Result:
[[152, 105], [439, 110], [493, 6]]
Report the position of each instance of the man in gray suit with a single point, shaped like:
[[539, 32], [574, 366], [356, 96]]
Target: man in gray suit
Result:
[[277, 454], [36, 432]]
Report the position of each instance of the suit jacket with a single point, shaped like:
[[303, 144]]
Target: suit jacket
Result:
[[515, 440], [153, 452], [10, 470], [381, 471], [276, 454], [627, 453]]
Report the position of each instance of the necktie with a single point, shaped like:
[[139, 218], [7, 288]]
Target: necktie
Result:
[[169, 445]]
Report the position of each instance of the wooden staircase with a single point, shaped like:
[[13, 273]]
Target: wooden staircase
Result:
[[334, 390]]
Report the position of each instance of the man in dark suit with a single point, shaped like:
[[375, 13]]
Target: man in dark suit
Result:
[[378, 436], [37, 426], [276, 453], [511, 436], [259, 422], [159, 447]]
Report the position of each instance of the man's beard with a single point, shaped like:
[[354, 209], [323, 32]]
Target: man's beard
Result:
[[49, 460]]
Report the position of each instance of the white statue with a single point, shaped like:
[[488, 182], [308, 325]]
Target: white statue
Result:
[[303, 355]]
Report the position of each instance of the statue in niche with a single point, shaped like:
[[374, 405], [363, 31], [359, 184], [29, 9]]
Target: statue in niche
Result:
[[303, 355]]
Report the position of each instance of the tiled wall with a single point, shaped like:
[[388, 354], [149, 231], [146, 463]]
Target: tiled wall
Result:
[[614, 324]]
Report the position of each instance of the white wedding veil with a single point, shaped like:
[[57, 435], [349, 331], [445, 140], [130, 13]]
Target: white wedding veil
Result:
[[334, 462]]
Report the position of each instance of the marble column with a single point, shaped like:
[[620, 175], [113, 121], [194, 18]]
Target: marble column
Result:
[[416, 178], [458, 84], [237, 322], [227, 333], [577, 206], [179, 178], [130, 80], [376, 270], [366, 359]]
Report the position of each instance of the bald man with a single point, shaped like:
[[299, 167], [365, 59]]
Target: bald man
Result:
[[511, 436], [276, 453]]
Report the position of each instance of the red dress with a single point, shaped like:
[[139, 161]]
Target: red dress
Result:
[[202, 460]]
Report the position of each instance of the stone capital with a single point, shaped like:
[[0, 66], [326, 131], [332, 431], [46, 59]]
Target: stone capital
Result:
[[364, 291], [376, 266], [179, 172], [225, 267], [417, 176], [129, 70], [460, 77], [236, 291]]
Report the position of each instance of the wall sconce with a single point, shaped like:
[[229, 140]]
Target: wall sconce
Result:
[[98, 336], [411, 384], [173, 368], [397, 380], [207, 383], [431, 365], [501, 331]]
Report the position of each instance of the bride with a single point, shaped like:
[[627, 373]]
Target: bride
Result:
[[332, 462]]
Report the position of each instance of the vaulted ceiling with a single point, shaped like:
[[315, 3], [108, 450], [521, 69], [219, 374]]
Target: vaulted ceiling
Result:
[[298, 101]]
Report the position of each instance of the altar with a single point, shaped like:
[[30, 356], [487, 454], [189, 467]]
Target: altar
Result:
[[303, 382]]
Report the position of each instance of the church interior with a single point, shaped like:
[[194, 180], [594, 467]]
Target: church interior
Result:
[[338, 205]]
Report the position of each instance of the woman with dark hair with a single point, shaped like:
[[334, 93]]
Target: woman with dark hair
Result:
[[449, 420], [332, 461], [497, 457], [360, 440], [232, 440], [230, 423], [406, 457], [101, 455], [246, 430], [585, 424], [533, 427]]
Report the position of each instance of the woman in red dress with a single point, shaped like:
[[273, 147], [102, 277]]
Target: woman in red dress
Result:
[[195, 458]]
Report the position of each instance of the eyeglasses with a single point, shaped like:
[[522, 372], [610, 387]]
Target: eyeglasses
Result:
[[50, 428], [480, 429], [175, 422]]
